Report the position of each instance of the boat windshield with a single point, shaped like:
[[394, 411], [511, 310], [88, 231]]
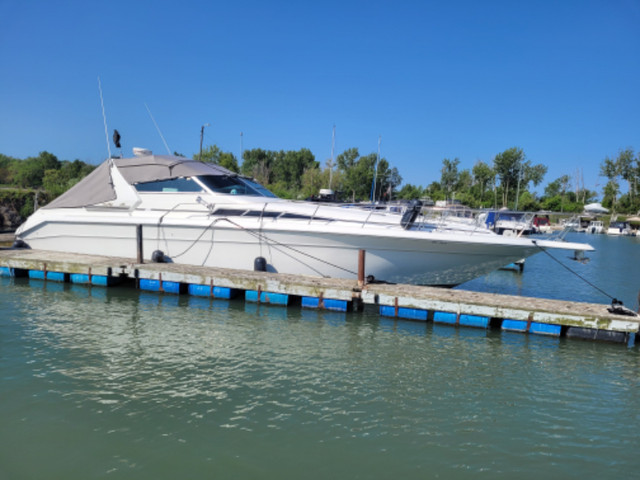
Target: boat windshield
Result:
[[233, 185], [513, 216], [225, 184]]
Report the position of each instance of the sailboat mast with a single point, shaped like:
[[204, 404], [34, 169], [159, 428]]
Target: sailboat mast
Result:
[[333, 146], [375, 173]]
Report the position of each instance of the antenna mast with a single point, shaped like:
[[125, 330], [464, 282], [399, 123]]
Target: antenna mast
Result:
[[158, 128], [104, 118]]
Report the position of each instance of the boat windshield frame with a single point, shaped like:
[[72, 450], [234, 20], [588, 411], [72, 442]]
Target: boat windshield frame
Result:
[[216, 184]]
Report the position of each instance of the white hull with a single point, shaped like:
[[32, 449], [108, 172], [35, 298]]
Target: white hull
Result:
[[617, 232], [411, 258]]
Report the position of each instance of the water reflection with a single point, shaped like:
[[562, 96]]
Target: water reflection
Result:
[[150, 372]]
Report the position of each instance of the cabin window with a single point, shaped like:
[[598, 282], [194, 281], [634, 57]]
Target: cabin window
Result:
[[187, 185]]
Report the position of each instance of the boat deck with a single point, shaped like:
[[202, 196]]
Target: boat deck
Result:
[[456, 307]]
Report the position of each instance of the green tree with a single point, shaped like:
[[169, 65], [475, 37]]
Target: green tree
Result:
[[55, 182], [465, 182], [611, 191], [483, 175], [555, 193], [516, 172], [410, 192], [213, 154], [528, 202], [257, 163], [628, 171], [30, 172], [347, 159], [313, 179], [357, 173], [449, 176], [533, 174], [508, 166], [288, 167], [58, 181], [229, 161], [5, 168], [435, 191], [210, 154], [387, 180]]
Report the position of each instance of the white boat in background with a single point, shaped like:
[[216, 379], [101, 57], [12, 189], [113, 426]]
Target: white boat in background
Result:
[[541, 223], [195, 213], [577, 223], [508, 222], [620, 228], [595, 208], [595, 226]]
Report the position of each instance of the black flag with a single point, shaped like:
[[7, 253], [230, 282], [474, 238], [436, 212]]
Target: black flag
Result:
[[116, 138]]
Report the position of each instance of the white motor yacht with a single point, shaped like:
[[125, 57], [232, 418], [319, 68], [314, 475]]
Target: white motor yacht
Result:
[[197, 213], [595, 226], [620, 228]]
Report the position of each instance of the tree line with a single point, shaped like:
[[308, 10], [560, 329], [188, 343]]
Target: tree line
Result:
[[297, 174], [507, 181], [37, 180]]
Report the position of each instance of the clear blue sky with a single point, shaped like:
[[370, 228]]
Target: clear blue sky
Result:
[[447, 79]]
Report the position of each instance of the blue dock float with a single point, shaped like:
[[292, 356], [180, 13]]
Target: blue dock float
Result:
[[47, 275], [161, 286], [531, 327], [325, 303], [7, 272], [97, 280], [266, 297], [404, 312], [464, 320], [212, 291]]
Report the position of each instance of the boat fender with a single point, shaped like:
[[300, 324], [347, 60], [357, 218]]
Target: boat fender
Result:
[[20, 244], [371, 280], [411, 213], [157, 256], [260, 264], [618, 308]]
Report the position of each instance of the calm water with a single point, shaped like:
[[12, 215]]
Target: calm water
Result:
[[116, 383], [614, 268]]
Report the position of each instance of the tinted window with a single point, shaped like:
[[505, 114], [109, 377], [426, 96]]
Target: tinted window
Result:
[[232, 185], [173, 185]]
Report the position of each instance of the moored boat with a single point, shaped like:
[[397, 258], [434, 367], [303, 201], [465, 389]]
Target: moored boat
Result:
[[196, 213], [620, 228], [595, 226]]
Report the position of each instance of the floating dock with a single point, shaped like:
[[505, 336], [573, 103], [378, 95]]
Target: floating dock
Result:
[[427, 304]]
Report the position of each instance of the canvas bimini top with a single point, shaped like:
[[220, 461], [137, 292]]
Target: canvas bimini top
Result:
[[97, 187]]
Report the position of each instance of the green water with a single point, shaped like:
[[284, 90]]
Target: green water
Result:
[[612, 270], [116, 383]]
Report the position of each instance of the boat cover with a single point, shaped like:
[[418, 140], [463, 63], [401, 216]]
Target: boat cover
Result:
[[97, 187]]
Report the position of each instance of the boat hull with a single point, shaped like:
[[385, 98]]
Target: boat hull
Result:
[[413, 257]]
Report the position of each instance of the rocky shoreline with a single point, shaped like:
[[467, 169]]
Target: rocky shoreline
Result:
[[10, 219]]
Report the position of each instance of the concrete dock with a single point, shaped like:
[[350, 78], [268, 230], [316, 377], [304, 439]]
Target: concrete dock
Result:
[[428, 304]]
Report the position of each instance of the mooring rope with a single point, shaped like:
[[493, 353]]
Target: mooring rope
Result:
[[276, 244], [271, 243], [613, 299]]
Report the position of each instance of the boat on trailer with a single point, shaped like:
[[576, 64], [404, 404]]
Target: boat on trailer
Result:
[[197, 213]]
